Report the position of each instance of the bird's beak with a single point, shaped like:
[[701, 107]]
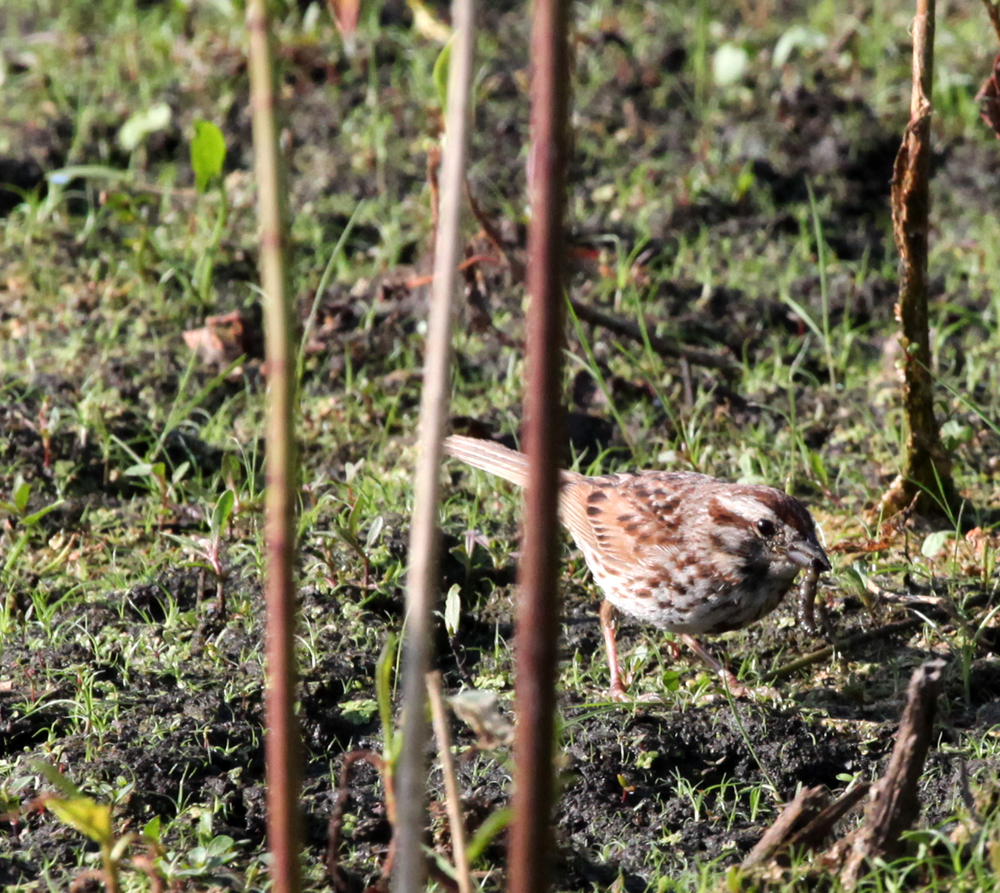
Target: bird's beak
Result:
[[808, 553]]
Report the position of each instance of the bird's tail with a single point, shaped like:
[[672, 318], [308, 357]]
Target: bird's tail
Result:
[[489, 456]]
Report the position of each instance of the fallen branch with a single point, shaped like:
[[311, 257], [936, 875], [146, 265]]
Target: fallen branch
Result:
[[808, 803], [895, 804], [809, 819], [814, 833], [803, 825]]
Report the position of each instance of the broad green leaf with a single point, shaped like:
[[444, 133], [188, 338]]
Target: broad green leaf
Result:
[[208, 153], [935, 542], [152, 828], [85, 815], [221, 846]]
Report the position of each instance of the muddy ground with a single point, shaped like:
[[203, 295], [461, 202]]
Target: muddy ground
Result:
[[646, 792]]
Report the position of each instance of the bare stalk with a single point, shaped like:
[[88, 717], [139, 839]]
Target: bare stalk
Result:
[[282, 742], [439, 717], [422, 574], [538, 606]]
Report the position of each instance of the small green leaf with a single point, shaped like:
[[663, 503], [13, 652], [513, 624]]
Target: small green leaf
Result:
[[152, 828], [119, 849], [65, 175], [54, 777], [208, 153], [935, 542], [955, 433], [222, 513], [359, 712], [142, 470], [671, 680], [452, 610], [221, 846], [85, 815], [21, 496], [179, 472], [231, 468], [440, 74], [135, 130], [383, 689], [374, 532]]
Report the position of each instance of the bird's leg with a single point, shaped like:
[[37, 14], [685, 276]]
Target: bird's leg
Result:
[[609, 626], [734, 685]]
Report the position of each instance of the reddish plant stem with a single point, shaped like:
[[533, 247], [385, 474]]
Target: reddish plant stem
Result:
[[282, 740], [538, 616]]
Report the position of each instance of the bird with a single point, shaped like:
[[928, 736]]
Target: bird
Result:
[[683, 551]]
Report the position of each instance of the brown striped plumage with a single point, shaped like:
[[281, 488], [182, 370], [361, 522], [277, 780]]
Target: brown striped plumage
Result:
[[683, 551]]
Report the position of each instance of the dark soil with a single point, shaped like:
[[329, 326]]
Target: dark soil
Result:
[[644, 791]]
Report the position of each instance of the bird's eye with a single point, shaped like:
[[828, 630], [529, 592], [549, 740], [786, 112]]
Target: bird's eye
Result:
[[765, 527]]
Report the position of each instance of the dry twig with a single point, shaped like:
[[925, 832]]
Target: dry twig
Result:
[[895, 803], [439, 717], [422, 574]]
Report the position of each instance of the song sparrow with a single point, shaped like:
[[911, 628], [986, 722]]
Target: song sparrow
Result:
[[683, 551]]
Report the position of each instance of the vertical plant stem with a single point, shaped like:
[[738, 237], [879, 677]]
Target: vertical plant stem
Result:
[[538, 615], [422, 574], [927, 469], [282, 742], [439, 717]]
